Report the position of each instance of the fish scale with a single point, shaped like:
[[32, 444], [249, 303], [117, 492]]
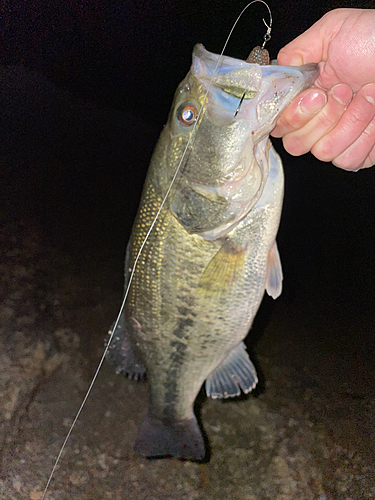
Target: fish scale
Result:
[[211, 254]]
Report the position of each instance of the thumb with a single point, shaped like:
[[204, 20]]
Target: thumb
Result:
[[306, 48], [312, 45]]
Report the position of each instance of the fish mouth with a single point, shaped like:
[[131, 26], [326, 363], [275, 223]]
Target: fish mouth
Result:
[[242, 103], [239, 90]]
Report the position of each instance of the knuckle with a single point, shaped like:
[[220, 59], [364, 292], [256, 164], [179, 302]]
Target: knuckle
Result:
[[355, 118], [323, 150], [295, 145], [280, 130], [369, 161], [360, 114], [326, 120], [347, 165], [351, 159]]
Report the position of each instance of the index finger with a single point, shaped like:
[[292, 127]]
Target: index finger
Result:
[[300, 111]]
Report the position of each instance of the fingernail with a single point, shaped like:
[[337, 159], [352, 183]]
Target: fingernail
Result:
[[369, 92], [342, 94], [296, 60], [313, 102]]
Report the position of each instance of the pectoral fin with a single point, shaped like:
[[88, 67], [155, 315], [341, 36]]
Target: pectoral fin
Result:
[[222, 270], [274, 280], [236, 372]]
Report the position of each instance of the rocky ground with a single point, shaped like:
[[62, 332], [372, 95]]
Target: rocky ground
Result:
[[297, 439], [306, 434]]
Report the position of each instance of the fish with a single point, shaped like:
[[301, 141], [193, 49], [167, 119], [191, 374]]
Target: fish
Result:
[[211, 253]]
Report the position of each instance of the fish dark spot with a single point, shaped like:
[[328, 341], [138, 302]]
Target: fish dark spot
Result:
[[182, 324], [179, 349], [184, 311], [179, 346], [169, 413]]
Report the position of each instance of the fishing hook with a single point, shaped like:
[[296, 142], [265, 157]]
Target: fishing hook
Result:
[[267, 36], [259, 55]]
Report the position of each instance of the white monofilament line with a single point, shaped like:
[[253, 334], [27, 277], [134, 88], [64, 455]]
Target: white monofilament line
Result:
[[144, 242]]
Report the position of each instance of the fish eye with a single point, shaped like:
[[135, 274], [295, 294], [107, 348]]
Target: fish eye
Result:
[[187, 114]]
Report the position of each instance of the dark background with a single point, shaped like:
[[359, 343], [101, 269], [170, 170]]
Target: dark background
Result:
[[85, 88]]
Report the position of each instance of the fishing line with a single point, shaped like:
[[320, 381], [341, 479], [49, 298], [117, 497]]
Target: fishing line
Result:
[[219, 61]]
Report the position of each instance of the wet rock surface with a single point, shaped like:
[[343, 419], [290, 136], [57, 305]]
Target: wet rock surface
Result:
[[281, 444]]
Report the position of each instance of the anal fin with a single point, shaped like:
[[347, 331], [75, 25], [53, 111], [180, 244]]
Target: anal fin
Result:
[[122, 353], [236, 372]]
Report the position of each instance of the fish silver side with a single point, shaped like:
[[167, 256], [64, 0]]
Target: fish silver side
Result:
[[212, 253]]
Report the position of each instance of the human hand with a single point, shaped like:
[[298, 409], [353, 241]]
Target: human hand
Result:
[[335, 119]]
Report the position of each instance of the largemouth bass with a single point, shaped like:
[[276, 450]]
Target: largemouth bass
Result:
[[212, 253]]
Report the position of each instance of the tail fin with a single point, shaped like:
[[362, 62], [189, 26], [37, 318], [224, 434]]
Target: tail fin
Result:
[[180, 439]]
